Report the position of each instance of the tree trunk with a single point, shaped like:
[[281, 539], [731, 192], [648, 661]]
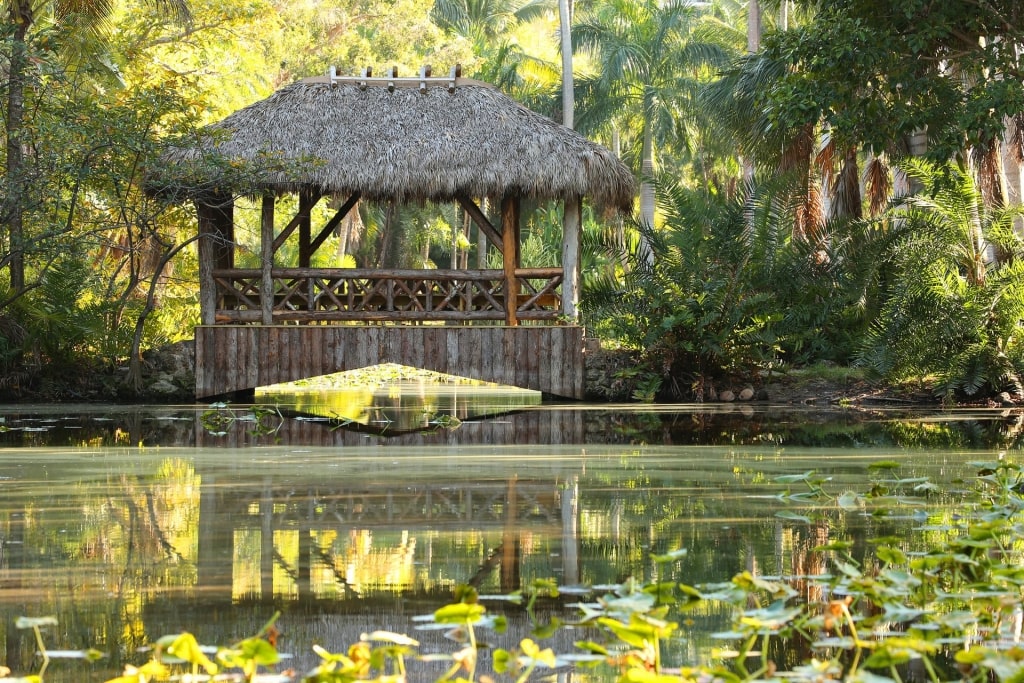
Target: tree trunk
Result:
[[647, 190], [565, 30], [753, 26], [14, 205], [134, 377], [748, 163]]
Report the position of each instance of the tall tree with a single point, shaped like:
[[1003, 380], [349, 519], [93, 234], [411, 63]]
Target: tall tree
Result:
[[490, 26], [653, 57], [82, 18], [876, 72]]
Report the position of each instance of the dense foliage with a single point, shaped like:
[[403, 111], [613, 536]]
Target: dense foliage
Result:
[[750, 251]]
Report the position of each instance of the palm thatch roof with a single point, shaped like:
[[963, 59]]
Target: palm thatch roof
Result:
[[407, 143]]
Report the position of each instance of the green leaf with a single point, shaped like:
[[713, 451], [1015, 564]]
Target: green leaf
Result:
[[186, 648], [640, 629], [547, 630], [793, 478], [885, 658], [548, 587], [592, 647], [533, 651], [248, 652], [891, 555], [670, 556], [459, 613], [502, 659], [786, 514]]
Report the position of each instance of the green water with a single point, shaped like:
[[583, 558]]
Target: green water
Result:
[[355, 514]]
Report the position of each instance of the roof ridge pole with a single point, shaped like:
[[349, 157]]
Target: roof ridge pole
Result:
[[455, 74], [424, 75]]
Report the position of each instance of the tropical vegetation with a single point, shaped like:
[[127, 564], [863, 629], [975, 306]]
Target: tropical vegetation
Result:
[[819, 181]]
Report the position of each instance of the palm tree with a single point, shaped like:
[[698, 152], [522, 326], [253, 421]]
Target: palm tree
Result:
[[952, 310], [487, 19], [83, 18], [652, 57], [489, 25]]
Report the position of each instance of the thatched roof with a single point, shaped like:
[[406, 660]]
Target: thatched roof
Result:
[[407, 143]]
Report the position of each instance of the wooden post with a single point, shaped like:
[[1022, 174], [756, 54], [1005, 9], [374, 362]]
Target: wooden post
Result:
[[306, 203], [267, 260], [216, 250], [510, 256], [207, 256], [571, 225]]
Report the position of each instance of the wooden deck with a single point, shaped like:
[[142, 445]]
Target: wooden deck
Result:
[[239, 358]]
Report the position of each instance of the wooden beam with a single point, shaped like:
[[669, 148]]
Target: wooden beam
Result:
[[335, 220], [292, 224], [286, 232], [510, 256], [481, 220], [267, 260]]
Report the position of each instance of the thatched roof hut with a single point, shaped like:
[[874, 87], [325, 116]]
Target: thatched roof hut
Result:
[[406, 142]]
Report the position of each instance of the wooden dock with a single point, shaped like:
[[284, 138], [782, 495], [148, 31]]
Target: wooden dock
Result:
[[240, 358]]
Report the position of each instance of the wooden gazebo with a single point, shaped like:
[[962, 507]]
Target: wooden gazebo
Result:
[[426, 138]]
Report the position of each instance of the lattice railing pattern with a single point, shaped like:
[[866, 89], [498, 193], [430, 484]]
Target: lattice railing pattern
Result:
[[324, 294]]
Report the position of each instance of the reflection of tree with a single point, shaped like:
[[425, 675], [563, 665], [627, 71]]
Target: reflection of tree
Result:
[[12, 560], [730, 426], [92, 552]]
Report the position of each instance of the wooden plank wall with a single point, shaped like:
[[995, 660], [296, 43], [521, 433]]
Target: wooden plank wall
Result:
[[232, 358]]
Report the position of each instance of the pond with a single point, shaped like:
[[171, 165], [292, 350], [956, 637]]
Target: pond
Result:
[[353, 511]]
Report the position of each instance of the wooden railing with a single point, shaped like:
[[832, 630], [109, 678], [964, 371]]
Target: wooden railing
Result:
[[332, 294]]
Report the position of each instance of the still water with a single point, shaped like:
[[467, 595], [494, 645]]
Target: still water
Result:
[[352, 511]]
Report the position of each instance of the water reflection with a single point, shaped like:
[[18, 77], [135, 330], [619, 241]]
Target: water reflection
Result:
[[130, 523]]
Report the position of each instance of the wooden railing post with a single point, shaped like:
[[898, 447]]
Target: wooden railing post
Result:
[[267, 260]]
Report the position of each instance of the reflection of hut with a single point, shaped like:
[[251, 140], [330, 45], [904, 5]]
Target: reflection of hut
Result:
[[407, 140]]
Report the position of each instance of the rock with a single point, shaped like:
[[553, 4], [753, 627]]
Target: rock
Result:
[[727, 396], [163, 386], [747, 394], [608, 373]]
